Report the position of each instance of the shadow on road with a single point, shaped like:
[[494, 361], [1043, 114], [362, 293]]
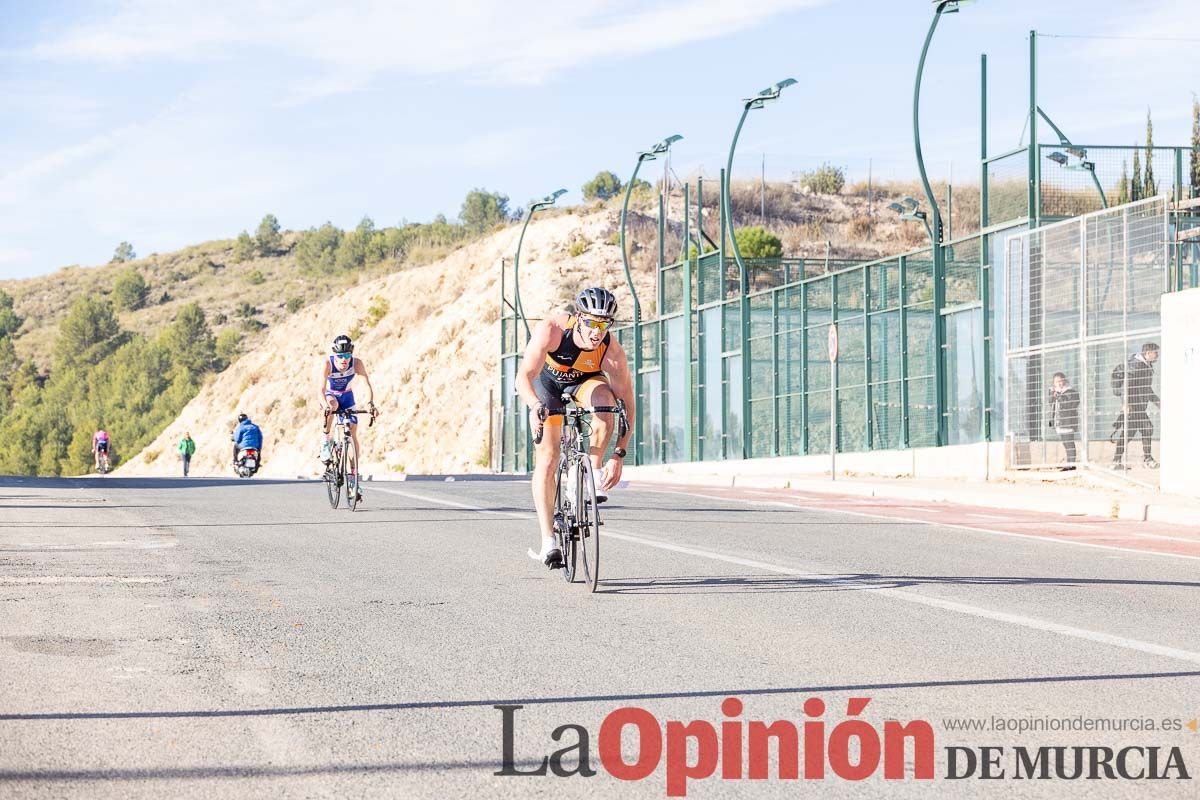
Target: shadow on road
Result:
[[753, 584], [446, 705], [109, 482], [249, 771]]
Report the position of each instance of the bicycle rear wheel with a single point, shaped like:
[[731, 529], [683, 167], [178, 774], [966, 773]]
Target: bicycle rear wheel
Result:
[[589, 523], [333, 483], [352, 478]]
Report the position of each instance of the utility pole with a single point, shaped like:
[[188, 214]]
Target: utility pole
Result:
[[763, 192]]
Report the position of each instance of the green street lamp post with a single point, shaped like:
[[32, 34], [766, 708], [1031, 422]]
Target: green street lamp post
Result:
[[545, 202], [648, 155], [749, 104], [1078, 152], [935, 232]]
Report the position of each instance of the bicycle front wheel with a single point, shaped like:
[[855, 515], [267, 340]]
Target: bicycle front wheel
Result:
[[353, 475], [563, 528], [589, 523], [333, 484]]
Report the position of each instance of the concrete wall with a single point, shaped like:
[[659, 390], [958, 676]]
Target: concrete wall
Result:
[[1180, 393], [970, 461]]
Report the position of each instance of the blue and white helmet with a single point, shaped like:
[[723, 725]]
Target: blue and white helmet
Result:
[[597, 302]]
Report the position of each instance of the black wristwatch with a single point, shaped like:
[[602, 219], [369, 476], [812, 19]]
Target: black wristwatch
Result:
[[620, 452]]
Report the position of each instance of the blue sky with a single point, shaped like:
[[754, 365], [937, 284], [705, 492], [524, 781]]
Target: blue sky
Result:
[[170, 123]]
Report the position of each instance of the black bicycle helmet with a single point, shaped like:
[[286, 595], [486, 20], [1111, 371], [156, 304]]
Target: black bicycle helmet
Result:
[[596, 302], [242, 418], [342, 345]]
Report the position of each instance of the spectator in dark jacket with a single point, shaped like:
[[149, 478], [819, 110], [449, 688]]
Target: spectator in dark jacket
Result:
[[1138, 395], [1063, 415]]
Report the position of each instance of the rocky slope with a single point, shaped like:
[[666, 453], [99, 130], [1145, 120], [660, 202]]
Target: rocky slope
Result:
[[432, 357]]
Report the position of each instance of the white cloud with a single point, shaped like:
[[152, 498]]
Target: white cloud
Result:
[[517, 42]]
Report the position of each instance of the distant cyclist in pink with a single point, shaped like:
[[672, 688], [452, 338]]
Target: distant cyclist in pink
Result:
[[99, 445]]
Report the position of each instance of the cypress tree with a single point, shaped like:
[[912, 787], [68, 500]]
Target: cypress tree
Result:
[[1135, 187], [1195, 146], [1149, 187]]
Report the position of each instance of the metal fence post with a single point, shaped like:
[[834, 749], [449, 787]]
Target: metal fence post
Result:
[[689, 450], [775, 371], [867, 356], [904, 437], [804, 387], [985, 254]]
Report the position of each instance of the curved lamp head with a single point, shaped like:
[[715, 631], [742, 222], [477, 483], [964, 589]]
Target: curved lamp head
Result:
[[546, 201], [911, 202], [949, 6], [899, 209], [659, 148], [769, 94]]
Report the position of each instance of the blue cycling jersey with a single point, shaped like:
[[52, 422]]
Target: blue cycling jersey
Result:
[[338, 381]]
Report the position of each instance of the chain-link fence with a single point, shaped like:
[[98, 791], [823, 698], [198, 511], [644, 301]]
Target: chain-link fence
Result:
[[1079, 180], [1082, 339], [1077, 298], [1007, 187]]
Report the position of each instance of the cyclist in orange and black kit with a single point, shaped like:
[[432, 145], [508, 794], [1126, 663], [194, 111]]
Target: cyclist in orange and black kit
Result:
[[576, 353]]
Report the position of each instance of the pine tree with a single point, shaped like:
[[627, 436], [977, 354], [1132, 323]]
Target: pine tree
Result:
[[1195, 146], [1149, 187], [268, 238], [1135, 187], [1123, 185]]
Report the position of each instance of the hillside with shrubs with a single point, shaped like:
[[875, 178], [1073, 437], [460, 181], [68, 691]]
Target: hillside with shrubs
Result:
[[143, 346]]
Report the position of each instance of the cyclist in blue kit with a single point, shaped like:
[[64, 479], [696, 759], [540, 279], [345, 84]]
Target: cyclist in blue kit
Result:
[[338, 371]]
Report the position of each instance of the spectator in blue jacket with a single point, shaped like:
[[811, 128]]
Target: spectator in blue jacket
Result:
[[246, 434]]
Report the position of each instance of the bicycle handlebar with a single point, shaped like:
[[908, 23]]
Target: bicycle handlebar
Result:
[[349, 411], [579, 411]]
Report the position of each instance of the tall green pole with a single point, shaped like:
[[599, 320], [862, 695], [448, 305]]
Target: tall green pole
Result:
[[689, 421], [637, 319], [939, 258], [743, 286], [1035, 177], [985, 255], [520, 309], [545, 202]]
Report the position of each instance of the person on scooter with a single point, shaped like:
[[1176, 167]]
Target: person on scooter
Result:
[[245, 435]]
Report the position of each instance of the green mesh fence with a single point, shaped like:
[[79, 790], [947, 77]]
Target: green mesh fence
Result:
[[1008, 187]]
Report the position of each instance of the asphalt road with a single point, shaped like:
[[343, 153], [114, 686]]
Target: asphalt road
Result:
[[208, 638]]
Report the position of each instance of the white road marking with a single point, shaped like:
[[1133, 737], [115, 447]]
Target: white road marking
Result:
[[920, 508], [956, 526], [1167, 538], [987, 516], [430, 499], [898, 594]]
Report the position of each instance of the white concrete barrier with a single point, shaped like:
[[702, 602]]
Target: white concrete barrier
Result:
[[1180, 393]]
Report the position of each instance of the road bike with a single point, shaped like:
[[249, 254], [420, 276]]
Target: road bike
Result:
[[104, 464], [576, 512], [345, 455]]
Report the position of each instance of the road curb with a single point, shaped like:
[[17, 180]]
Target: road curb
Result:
[[1114, 507]]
